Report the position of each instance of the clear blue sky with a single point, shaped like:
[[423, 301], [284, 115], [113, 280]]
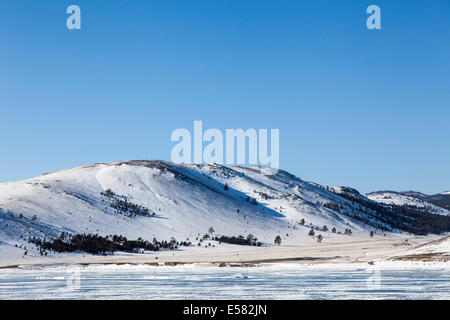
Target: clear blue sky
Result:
[[368, 109]]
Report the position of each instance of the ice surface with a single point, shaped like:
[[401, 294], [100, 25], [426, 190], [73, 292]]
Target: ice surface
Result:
[[280, 281]]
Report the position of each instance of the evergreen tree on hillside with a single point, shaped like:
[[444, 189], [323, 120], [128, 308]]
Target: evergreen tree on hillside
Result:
[[277, 240]]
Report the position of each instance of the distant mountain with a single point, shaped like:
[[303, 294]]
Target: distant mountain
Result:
[[438, 203], [441, 199], [158, 199]]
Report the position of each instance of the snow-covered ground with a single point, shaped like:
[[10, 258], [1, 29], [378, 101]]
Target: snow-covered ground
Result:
[[436, 250], [354, 251]]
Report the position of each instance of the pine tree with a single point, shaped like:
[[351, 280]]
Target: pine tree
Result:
[[277, 240]]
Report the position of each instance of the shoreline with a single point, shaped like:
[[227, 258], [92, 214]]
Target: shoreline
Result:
[[387, 264], [361, 251]]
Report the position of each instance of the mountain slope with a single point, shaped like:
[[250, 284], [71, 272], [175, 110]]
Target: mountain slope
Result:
[[412, 199], [160, 199], [442, 200], [186, 200]]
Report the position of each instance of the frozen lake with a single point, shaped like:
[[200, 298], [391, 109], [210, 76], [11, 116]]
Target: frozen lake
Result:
[[206, 282]]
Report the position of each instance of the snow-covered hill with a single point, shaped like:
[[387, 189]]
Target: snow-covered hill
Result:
[[412, 199], [160, 199], [186, 200]]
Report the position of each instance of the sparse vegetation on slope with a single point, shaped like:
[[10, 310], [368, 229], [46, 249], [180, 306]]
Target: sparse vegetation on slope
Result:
[[124, 207]]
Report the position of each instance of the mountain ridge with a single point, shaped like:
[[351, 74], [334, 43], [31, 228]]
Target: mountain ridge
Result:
[[441, 200], [159, 199]]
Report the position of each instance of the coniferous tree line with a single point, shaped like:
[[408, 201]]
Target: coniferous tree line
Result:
[[96, 244], [250, 240]]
